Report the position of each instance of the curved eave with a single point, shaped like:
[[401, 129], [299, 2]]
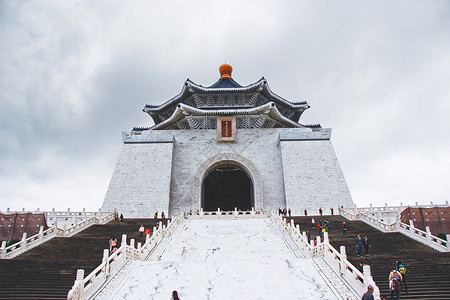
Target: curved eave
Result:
[[268, 109], [294, 105]]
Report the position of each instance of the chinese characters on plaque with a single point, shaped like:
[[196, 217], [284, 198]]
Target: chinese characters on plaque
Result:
[[226, 129]]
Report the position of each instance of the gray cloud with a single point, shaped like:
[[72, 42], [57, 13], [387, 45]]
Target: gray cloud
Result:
[[74, 74]]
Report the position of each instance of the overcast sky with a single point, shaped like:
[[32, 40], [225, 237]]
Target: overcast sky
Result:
[[75, 74]]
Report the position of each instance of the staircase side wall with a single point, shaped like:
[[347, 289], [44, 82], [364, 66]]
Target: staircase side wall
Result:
[[140, 184], [313, 177]]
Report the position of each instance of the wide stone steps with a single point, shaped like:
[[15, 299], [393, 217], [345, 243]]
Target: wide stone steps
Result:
[[48, 271], [428, 271]]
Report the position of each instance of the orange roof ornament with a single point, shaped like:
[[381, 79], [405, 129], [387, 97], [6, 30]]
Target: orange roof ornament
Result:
[[225, 71]]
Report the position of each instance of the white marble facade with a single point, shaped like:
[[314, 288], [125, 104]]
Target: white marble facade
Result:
[[289, 167]]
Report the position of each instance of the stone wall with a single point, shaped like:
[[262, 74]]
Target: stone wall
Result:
[[313, 177], [164, 170], [140, 184]]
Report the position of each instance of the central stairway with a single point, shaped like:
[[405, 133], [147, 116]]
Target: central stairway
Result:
[[48, 271], [428, 271]]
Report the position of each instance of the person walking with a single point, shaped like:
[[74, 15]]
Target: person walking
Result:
[[344, 228], [156, 215], [395, 279], [402, 270], [113, 245], [369, 294], [332, 211], [147, 231], [289, 212], [367, 244], [175, 296], [121, 218], [359, 243], [320, 211], [141, 231], [163, 216], [306, 212], [308, 236]]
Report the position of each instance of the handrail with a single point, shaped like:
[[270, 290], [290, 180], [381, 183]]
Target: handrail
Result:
[[357, 280], [424, 237], [42, 236], [111, 264]]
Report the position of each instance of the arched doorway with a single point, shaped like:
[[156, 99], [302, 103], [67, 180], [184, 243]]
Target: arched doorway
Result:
[[227, 186]]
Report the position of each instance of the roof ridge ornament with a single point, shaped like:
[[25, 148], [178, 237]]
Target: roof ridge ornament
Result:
[[225, 71]]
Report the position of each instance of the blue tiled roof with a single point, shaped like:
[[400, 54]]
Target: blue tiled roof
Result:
[[225, 83]]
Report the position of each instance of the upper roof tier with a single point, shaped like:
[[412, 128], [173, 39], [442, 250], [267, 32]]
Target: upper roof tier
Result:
[[226, 94]]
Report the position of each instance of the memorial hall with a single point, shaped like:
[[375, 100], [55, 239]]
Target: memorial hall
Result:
[[230, 147]]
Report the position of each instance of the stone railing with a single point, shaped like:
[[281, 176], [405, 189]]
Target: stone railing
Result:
[[355, 279], [28, 243], [86, 287], [423, 237], [225, 214]]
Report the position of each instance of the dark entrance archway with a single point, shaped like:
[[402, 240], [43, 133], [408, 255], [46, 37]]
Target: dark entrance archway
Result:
[[227, 186]]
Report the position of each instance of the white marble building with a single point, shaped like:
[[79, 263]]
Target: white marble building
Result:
[[226, 146]]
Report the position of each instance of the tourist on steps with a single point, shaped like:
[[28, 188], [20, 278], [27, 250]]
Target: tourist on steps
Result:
[[147, 231], [402, 270], [367, 244], [359, 244], [175, 296], [141, 231], [395, 279], [113, 245], [369, 294], [344, 228]]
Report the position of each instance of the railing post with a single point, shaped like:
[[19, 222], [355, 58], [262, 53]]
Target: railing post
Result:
[[448, 241], [343, 252], [23, 243], [411, 225], [147, 237], [124, 240], [427, 228], [105, 261], [41, 233], [79, 282], [3, 253], [325, 238]]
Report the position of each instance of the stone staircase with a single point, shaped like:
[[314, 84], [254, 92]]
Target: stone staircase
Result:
[[428, 271], [48, 271]]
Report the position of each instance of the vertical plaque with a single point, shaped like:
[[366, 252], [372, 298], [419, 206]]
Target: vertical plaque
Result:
[[226, 129]]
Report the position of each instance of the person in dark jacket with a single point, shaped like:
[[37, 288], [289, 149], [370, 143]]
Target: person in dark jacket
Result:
[[175, 296], [369, 294], [359, 243], [367, 244]]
